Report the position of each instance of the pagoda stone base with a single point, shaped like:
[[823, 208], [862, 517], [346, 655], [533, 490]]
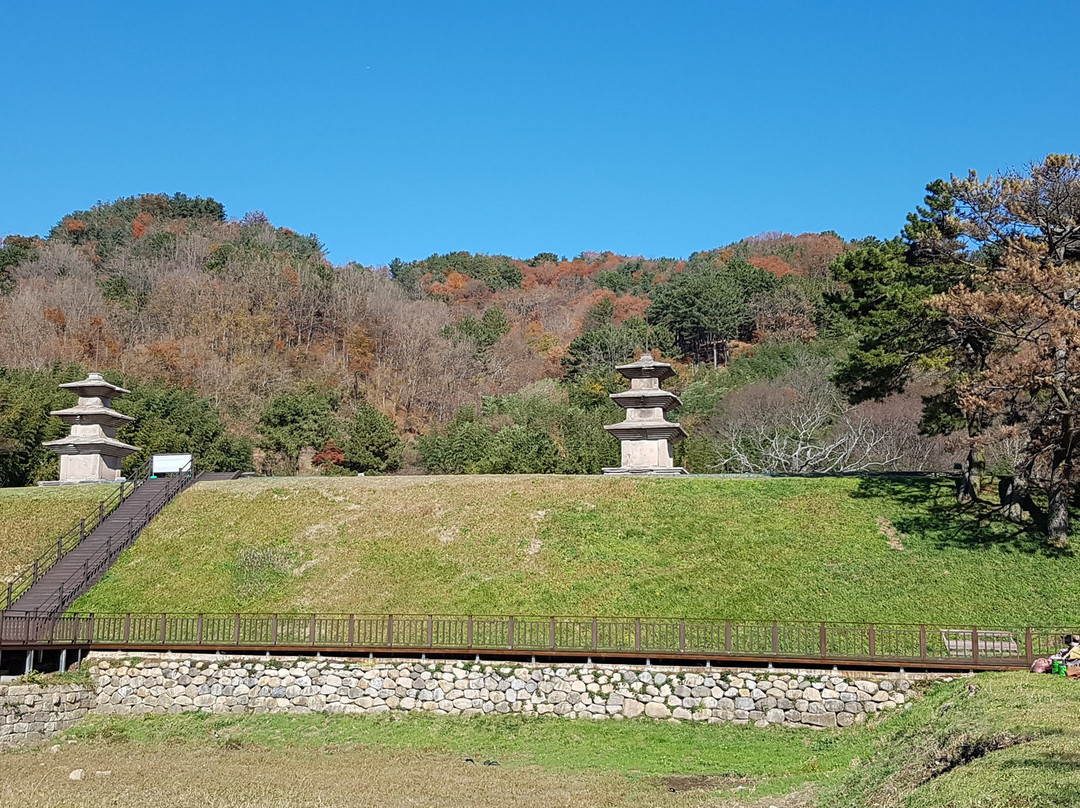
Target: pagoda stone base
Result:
[[647, 453], [81, 468], [656, 471]]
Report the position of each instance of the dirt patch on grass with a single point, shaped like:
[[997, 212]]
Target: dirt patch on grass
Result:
[[963, 749], [736, 791], [889, 531]]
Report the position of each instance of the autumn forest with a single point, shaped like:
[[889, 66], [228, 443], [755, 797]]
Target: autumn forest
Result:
[[953, 340]]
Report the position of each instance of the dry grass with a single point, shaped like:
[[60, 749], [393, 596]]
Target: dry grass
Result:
[[538, 545], [31, 517], [267, 778]]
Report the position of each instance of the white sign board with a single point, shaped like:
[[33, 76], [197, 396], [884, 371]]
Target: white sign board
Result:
[[169, 463]]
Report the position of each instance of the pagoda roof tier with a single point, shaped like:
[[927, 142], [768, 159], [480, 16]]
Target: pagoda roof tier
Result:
[[94, 385], [634, 399], [92, 414], [646, 368], [646, 430], [89, 445]]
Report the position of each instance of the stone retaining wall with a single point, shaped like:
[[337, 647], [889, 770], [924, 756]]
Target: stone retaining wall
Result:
[[33, 713], [456, 688]]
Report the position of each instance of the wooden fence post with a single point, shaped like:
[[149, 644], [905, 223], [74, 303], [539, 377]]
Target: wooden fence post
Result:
[[823, 638], [595, 634], [1029, 653], [873, 640], [974, 646], [682, 636], [510, 634], [430, 630], [390, 631]]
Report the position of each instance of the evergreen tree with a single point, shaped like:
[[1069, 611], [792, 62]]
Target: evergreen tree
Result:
[[293, 421], [372, 443]]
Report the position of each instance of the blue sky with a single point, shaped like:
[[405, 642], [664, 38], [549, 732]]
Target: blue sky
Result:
[[403, 129]]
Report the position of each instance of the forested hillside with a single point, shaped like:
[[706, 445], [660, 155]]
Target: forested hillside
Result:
[[953, 340], [251, 325]]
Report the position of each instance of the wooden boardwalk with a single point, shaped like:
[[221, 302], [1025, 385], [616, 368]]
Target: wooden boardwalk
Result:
[[812, 644]]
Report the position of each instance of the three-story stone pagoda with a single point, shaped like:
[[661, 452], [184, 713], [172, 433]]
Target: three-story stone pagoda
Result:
[[91, 453], [646, 436]]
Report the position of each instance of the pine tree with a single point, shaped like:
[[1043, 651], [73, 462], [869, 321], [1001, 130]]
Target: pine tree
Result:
[[372, 444]]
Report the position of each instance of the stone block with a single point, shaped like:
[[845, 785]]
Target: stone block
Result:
[[654, 710], [819, 719], [632, 708]]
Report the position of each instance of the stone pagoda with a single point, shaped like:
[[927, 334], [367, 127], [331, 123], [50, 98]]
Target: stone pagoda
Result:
[[91, 453], [647, 437]]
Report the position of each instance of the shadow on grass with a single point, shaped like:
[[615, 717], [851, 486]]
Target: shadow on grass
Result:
[[930, 510], [1053, 760]]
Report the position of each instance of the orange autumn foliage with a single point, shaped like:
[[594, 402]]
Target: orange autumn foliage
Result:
[[452, 288], [140, 225], [57, 318], [772, 263]]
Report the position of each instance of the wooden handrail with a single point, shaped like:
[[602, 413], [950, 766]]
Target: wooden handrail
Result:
[[72, 538], [79, 581], [807, 642]]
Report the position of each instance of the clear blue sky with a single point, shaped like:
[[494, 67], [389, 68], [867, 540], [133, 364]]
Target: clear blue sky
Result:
[[403, 129]]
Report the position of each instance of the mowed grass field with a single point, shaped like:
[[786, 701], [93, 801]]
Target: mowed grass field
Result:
[[992, 741], [31, 517], [879, 550]]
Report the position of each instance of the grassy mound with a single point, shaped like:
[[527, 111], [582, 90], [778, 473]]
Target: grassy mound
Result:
[[839, 549], [31, 517]]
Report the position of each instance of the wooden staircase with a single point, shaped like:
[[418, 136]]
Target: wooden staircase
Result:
[[71, 572]]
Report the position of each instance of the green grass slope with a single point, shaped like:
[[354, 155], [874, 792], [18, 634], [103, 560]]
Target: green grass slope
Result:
[[31, 517], [991, 741], [839, 549]]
